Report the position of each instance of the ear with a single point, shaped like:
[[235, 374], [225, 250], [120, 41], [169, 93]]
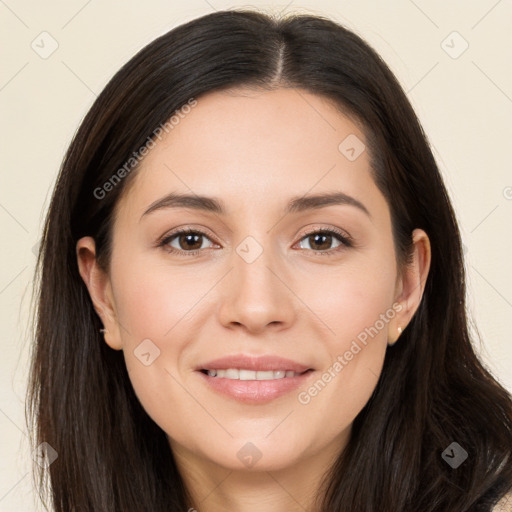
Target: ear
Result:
[[100, 290], [411, 284]]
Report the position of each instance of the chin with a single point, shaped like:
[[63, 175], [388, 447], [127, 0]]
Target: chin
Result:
[[253, 454]]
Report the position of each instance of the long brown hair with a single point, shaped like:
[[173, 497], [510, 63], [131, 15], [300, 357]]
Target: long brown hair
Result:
[[433, 389]]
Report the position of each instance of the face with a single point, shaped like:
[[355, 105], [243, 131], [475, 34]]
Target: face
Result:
[[315, 283]]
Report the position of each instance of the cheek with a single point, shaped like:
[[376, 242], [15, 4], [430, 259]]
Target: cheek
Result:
[[354, 359], [355, 306], [153, 300], [349, 298], [156, 306]]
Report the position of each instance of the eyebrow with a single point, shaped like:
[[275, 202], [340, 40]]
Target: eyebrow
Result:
[[214, 205]]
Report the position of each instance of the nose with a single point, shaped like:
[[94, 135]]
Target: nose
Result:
[[257, 292]]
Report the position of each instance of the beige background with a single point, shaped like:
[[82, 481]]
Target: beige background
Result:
[[464, 101]]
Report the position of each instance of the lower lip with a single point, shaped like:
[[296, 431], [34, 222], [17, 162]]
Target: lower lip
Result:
[[255, 391]]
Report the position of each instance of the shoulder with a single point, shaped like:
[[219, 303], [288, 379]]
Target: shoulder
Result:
[[504, 505]]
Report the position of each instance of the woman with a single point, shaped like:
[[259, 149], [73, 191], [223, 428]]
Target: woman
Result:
[[252, 290]]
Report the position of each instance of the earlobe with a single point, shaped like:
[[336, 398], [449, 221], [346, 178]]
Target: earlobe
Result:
[[99, 288], [391, 340]]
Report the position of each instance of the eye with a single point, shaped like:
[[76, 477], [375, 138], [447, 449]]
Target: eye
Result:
[[188, 241], [322, 240]]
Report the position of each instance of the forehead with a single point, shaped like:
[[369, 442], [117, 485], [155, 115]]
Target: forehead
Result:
[[254, 149]]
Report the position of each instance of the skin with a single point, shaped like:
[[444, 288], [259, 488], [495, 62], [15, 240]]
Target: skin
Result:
[[254, 150]]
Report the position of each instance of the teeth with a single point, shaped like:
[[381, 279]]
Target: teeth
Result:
[[235, 374], [232, 374], [245, 374]]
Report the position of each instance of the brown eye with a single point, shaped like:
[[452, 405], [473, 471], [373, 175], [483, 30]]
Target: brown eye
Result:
[[321, 241], [185, 241]]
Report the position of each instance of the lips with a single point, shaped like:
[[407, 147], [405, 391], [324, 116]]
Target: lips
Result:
[[275, 377]]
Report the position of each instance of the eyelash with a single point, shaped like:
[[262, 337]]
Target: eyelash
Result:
[[345, 239]]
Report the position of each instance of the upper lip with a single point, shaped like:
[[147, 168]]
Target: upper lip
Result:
[[255, 363]]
